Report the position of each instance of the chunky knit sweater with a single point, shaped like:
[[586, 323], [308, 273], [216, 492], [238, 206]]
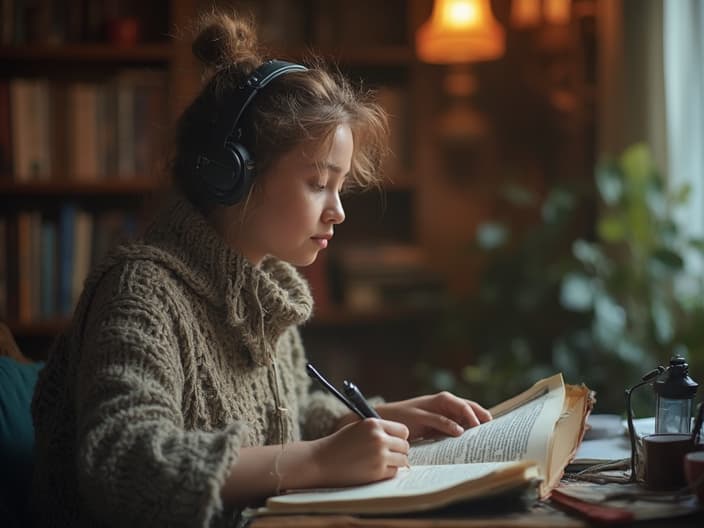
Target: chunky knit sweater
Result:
[[180, 353]]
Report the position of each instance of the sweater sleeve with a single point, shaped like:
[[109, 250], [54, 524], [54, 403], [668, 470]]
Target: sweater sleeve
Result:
[[319, 411], [136, 463]]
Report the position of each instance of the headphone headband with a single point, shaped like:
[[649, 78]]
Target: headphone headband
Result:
[[226, 168], [262, 76]]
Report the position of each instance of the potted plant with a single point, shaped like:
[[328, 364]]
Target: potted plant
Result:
[[601, 301]]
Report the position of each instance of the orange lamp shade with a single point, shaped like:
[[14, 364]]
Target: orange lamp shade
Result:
[[460, 31]]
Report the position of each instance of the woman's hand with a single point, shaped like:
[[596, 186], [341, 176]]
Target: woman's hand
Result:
[[360, 452], [436, 414]]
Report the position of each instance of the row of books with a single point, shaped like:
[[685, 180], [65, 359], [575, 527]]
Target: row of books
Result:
[[44, 259], [51, 22], [326, 24], [81, 130]]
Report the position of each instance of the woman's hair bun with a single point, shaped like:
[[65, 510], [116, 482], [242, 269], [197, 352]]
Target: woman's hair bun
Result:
[[223, 40]]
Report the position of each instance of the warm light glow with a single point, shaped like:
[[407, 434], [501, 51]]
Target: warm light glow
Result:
[[459, 14], [525, 13], [557, 11], [460, 31]]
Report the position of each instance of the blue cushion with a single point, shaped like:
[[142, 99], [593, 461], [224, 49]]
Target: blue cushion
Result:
[[17, 381]]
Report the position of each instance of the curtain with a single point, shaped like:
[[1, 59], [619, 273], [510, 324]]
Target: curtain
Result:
[[683, 42]]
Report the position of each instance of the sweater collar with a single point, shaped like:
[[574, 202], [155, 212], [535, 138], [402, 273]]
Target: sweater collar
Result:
[[260, 302]]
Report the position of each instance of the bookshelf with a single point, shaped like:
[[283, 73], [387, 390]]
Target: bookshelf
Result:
[[422, 211], [86, 95]]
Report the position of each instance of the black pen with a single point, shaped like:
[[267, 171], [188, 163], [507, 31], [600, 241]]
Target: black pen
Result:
[[332, 390], [357, 398]]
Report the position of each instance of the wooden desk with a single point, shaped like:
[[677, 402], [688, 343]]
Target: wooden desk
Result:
[[544, 516]]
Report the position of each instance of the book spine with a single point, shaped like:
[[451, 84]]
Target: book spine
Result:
[[83, 228], [24, 267], [4, 269], [20, 122], [6, 166], [48, 270], [35, 232], [67, 220]]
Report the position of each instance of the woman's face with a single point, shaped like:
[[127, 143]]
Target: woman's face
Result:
[[293, 213]]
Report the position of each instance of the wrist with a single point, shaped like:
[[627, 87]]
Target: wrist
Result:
[[297, 466]]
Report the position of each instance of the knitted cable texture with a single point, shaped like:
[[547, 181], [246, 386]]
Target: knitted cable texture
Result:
[[169, 367]]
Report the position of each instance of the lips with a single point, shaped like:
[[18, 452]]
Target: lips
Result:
[[322, 240]]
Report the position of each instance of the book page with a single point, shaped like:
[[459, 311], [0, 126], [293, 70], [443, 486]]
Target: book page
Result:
[[411, 481], [522, 433]]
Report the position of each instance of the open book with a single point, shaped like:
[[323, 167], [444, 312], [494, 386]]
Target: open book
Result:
[[531, 439]]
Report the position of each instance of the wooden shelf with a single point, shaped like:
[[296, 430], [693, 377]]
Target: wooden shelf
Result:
[[373, 56], [134, 186], [143, 53]]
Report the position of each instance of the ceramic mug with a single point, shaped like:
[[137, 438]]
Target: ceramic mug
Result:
[[694, 471], [664, 460]]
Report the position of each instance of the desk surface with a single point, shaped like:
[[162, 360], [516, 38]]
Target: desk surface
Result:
[[544, 516]]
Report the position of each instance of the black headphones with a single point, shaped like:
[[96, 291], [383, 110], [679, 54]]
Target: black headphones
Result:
[[226, 168]]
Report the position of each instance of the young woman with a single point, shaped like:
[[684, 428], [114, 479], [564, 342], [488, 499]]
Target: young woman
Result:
[[179, 393]]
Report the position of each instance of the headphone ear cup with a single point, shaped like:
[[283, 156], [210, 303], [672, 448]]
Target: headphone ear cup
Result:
[[226, 175], [242, 172]]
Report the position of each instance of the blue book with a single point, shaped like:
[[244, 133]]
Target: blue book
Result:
[[47, 279], [67, 221]]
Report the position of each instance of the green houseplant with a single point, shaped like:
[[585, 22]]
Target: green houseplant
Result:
[[602, 301]]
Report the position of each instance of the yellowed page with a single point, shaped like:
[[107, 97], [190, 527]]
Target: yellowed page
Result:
[[569, 431], [522, 430]]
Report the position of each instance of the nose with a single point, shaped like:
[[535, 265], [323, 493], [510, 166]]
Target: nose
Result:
[[334, 212]]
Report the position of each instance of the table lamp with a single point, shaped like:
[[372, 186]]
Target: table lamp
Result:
[[460, 32]]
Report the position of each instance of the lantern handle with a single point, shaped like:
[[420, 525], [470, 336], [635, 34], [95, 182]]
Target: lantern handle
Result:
[[647, 378]]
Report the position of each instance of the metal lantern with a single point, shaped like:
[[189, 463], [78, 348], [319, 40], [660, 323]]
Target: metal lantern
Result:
[[675, 392]]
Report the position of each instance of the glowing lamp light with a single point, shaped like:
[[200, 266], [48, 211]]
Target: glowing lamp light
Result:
[[460, 31]]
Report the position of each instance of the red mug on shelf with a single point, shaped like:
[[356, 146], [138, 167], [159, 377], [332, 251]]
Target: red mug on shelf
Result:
[[123, 31]]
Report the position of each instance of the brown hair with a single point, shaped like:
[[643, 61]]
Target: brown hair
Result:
[[295, 108]]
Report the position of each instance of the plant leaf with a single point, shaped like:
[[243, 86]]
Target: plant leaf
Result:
[[609, 182], [576, 292], [662, 320], [491, 235], [612, 228], [669, 258], [637, 163]]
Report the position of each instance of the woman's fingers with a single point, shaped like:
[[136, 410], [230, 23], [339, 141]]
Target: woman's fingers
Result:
[[394, 428], [480, 412]]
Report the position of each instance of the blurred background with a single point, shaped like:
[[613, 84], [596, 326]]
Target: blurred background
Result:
[[542, 211]]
